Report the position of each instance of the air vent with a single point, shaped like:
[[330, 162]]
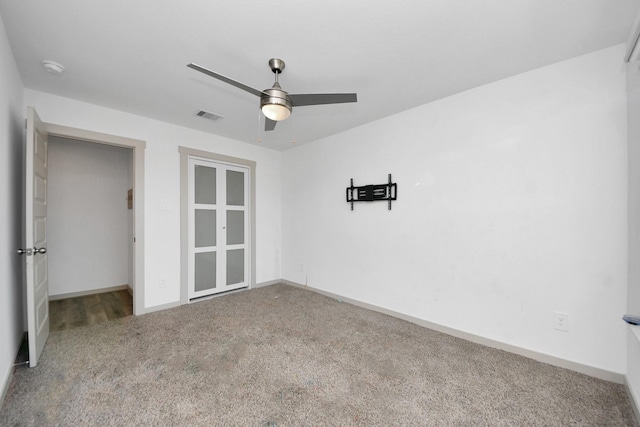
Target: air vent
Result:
[[207, 115]]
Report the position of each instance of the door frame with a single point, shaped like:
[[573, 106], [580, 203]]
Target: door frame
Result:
[[138, 147], [185, 153]]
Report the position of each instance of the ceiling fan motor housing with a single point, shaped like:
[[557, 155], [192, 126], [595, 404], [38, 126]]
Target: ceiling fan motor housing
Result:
[[277, 98]]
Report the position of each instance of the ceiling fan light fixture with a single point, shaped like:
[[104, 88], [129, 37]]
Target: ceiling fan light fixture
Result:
[[276, 112], [275, 104]]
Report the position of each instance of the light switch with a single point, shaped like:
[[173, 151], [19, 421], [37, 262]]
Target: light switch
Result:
[[165, 205]]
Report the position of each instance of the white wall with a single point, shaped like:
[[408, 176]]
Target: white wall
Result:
[[162, 184], [88, 219], [511, 206], [11, 208], [633, 291]]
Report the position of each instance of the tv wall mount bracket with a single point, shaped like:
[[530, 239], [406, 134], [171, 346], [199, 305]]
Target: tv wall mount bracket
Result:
[[372, 193]]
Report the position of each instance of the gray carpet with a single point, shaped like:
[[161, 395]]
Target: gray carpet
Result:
[[283, 356]]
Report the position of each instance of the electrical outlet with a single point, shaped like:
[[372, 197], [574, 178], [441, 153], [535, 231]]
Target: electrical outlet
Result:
[[162, 281], [561, 321], [302, 268]]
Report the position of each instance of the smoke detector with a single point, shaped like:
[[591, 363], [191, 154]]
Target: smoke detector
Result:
[[53, 67]]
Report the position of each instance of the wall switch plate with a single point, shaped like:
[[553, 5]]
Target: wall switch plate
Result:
[[561, 321], [165, 205]]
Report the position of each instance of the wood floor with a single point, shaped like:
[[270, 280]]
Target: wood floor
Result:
[[90, 309]]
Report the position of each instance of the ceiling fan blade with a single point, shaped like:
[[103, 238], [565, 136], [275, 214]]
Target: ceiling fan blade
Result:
[[225, 79], [269, 124], [300, 100]]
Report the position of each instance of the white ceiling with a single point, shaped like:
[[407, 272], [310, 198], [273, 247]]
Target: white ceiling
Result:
[[132, 55]]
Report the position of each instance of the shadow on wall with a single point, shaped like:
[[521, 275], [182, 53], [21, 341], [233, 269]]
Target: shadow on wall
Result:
[[16, 173]]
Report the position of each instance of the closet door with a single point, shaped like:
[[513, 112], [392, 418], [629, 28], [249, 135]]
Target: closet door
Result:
[[218, 226]]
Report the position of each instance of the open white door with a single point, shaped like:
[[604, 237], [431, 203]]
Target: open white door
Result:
[[36, 236]]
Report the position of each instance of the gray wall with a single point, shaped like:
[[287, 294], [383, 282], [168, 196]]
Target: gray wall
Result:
[[633, 290], [11, 167]]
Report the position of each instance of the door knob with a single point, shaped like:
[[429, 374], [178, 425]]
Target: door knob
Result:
[[40, 251], [27, 252]]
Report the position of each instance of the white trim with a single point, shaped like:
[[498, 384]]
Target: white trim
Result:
[[635, 399], [138, 147], [7, 382], [91, 292], [632, 398], [540, 357], [11, 371], [218, 295], [635, 329], [268, 283], [147, 310], [208, 297]]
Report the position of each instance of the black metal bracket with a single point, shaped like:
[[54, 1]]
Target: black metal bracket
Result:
[[372, 193]]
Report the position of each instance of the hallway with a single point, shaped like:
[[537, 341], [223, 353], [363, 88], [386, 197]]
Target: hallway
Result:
[[90, 309]]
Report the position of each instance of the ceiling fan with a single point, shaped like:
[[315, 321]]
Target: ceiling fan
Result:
[[275, 103]]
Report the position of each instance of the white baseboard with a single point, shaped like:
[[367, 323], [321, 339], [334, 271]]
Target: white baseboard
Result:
[[540, 357], [178, 303], [91, 292], [635, 403], [160, 307], [5, 384], [268, 283]]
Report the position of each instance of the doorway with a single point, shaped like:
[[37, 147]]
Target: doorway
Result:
[[35, 249], [137, 148], [90, 220]]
